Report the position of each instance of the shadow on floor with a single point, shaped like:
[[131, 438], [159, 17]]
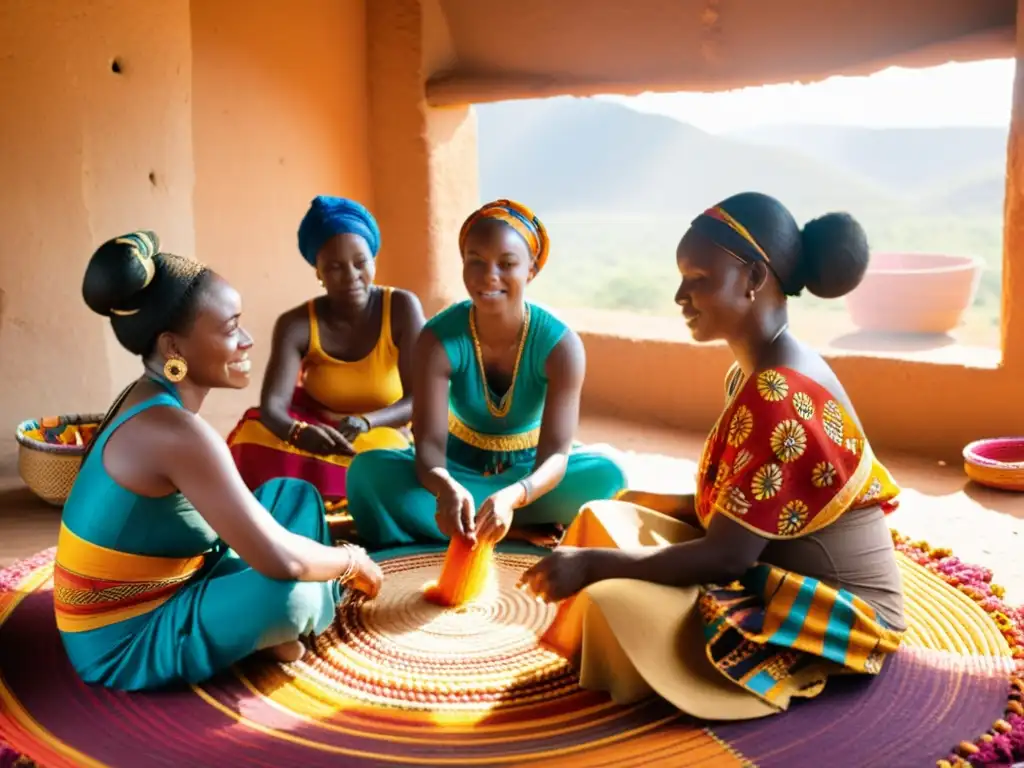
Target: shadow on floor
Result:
[[1004, 502], [875, 341]]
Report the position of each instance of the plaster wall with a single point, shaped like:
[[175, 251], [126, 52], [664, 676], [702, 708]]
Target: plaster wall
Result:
[[609, 46], [85, 154], [424, 159], [280, 110], [224, 121]]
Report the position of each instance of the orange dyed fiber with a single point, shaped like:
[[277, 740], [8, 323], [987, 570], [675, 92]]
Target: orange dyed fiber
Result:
[[465, 574]]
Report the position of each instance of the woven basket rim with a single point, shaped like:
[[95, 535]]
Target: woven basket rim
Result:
[[972, 454], [62, 450]]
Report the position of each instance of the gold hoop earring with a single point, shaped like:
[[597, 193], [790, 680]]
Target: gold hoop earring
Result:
[[175, 369]]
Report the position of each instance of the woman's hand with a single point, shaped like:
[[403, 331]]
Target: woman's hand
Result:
[[560, 575], [352, 427], [367, 575], [323, 441], [494, 518], [455, 512]]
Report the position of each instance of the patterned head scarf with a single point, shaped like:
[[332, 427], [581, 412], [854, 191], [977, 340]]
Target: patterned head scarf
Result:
[[725, 231], [521, 219], [329, 216]]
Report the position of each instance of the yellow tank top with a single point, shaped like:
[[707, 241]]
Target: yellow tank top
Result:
[[361, 386]]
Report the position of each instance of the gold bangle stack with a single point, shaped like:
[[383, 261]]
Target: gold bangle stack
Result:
[[354, 553], [296, 430]]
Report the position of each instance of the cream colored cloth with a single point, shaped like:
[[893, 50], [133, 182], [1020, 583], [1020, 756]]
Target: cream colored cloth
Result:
[[634, 638]]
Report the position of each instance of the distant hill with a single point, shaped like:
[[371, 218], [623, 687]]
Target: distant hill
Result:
[[570, 155], [982, 194], [618, 187], [904, 160], [573, 156]]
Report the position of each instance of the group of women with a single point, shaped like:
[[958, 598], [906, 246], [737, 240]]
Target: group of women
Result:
[[180, 554]]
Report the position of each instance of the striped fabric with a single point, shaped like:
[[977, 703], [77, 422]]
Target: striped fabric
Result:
[[770, 631]]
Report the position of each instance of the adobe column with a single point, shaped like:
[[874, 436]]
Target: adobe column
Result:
[[423, 159], [1013, 223]]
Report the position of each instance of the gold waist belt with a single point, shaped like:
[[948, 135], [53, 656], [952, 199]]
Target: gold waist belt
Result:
[[503, 443]]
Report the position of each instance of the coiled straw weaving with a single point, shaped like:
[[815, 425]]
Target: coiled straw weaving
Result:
[[401, 681]]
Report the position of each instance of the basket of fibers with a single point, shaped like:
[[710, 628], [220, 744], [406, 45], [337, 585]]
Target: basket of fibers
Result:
[[50, 453]]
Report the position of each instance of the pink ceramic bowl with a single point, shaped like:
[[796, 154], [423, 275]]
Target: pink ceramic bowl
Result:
[[914, 292], [996, 462]]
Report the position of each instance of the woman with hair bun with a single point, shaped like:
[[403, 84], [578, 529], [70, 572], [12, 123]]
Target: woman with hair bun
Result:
[[168, 569], [780, 570]]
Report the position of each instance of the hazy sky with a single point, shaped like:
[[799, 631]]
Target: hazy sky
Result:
[[977, 93]]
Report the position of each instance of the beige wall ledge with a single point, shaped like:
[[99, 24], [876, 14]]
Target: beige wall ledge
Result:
[[647, 370]]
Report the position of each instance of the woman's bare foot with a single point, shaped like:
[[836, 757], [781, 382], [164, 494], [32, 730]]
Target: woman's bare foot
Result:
[[288, 652]]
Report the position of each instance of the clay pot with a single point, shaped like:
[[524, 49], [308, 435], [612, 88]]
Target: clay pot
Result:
[[914, 292]]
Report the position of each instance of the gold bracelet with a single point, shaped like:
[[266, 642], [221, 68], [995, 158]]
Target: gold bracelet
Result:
[[296, 430], [354, 553]]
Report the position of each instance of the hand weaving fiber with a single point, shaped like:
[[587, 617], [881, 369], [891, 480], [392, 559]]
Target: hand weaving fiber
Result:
[[465, 575]]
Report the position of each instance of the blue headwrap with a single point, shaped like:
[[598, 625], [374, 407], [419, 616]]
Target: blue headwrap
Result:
[[329, 216]]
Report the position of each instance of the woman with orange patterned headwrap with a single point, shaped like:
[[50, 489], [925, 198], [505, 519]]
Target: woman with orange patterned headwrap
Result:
[[780, 570], [496, 393]]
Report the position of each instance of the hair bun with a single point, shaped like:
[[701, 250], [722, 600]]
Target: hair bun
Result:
[[118, 272], [834, 255]]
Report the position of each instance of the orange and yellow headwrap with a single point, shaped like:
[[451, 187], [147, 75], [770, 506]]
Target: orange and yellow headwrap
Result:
[[521, 219]]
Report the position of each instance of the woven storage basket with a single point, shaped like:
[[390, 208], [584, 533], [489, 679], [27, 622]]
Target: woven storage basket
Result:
[[50, 470]]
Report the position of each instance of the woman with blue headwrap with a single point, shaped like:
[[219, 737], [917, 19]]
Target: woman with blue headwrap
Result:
[[339, 377], [497, 386]]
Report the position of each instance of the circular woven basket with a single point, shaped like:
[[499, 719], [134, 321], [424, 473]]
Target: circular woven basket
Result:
[[50, 469], [996, 462]]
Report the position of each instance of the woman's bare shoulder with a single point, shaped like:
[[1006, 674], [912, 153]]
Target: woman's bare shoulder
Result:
[[808, 362]]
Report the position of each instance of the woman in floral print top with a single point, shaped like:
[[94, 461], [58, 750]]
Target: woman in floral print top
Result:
[[784, 549]]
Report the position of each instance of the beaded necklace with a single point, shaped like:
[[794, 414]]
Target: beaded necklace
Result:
[[501, 410]]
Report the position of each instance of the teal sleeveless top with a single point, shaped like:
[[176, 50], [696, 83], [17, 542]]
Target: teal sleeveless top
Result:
[[103, 513], [219, 614], [470, 421]]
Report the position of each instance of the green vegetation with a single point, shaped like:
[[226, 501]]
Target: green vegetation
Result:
[[629, 264], [617, 188]]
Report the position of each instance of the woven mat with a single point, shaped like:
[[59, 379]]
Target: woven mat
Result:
[[398, 681]]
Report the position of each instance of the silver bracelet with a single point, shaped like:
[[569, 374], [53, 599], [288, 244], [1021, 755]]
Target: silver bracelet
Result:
[[527, 489]]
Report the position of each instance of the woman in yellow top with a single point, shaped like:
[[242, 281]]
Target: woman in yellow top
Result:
[[780, 570], [338, 378]]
